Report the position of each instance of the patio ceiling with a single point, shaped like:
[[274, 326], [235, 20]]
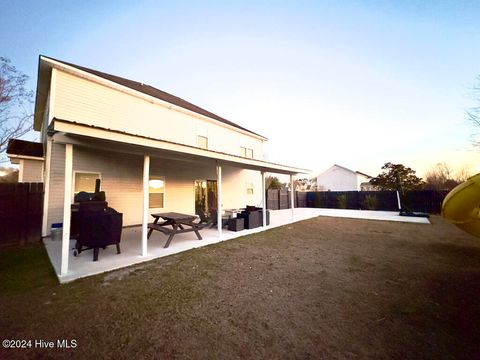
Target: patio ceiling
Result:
[[84, 135]]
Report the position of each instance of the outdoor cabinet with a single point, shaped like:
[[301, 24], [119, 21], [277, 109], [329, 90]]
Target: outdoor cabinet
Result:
[[236, 224]]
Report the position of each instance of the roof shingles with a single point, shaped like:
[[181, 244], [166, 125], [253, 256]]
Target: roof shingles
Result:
[[24, 148]]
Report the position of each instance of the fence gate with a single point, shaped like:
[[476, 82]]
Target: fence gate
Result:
[[21, 210]]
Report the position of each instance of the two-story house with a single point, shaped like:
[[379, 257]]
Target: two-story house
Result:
[[339, 178], [153, 151]]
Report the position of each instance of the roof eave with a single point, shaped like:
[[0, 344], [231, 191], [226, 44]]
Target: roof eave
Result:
[[25, 157], [65, 126], [43, 86]]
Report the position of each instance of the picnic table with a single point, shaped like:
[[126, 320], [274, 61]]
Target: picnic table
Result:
[[180, 223]]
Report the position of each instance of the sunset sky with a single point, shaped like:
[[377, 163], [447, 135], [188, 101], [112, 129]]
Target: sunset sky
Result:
[[356, 83]]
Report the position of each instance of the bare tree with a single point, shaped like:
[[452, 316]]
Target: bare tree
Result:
[[8, 175], [463, 174], [473, 113], [442, 177], [15, 104]]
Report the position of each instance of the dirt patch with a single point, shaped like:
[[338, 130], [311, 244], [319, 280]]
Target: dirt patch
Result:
[[323, 288]]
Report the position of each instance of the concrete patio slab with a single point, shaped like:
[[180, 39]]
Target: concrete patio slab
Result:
[[82, 265], [371, 215]]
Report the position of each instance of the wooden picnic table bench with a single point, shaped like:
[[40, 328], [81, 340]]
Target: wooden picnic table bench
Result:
[[180, 223]]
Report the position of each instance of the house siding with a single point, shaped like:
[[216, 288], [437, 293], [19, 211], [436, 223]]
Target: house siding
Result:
[[361, 179], [57, 184], [122, 178], [337, 179], [84, 101], [32, 171]]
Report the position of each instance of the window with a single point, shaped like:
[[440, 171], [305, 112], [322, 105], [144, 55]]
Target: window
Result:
[[85, 181], [202, 142], [249, 188], [156, 192], [246, 152]]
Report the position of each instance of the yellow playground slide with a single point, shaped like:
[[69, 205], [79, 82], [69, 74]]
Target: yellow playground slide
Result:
[[461, 206]]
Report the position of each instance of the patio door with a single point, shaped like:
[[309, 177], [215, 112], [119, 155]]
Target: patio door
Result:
[[205, 196]]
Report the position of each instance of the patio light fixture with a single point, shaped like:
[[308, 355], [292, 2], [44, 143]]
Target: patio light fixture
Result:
[[155, 184]]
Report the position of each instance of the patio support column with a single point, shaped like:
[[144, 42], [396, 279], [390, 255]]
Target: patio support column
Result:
[[292, 197], [46, 188], [67, 205], [219, 200], [146, 178], [264, 201]]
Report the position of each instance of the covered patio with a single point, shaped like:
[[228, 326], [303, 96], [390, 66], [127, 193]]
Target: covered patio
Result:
[[82, 265], [144, 153]]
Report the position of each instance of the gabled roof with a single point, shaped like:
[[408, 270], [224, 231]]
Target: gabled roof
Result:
[[344, 168], [24, 148], [152, 91], [360, 173]]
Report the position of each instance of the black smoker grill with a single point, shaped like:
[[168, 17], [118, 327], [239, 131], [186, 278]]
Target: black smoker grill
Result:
[[94, 224]]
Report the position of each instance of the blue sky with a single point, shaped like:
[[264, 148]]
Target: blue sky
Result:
[[357, 83]]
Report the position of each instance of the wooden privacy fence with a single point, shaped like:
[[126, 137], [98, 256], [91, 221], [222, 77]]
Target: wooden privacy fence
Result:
[[280, 199], [429, 201], [359, 200], [21, 209]]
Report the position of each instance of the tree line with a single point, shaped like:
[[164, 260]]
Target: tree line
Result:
[[441, 177]]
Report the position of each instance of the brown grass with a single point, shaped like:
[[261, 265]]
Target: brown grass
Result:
[[323, 288]]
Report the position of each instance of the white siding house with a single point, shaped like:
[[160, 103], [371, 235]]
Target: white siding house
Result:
[[339, 178], [128, 134]]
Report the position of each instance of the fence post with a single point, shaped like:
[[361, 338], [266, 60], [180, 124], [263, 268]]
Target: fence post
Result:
[[266, 197], [29, 215], [25, 195]]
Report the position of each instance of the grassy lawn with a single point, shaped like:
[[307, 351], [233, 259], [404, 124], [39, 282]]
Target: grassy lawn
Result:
[[323, 288]]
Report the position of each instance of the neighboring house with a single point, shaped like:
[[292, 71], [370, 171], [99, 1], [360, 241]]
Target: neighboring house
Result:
[[339, 178], [154, 152], [366, 186], [29, 156]]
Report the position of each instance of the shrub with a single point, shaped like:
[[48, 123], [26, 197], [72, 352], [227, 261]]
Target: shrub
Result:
[[342, 201], [370, 202]]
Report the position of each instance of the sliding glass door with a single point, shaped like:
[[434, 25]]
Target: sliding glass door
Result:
[[205, 196]]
